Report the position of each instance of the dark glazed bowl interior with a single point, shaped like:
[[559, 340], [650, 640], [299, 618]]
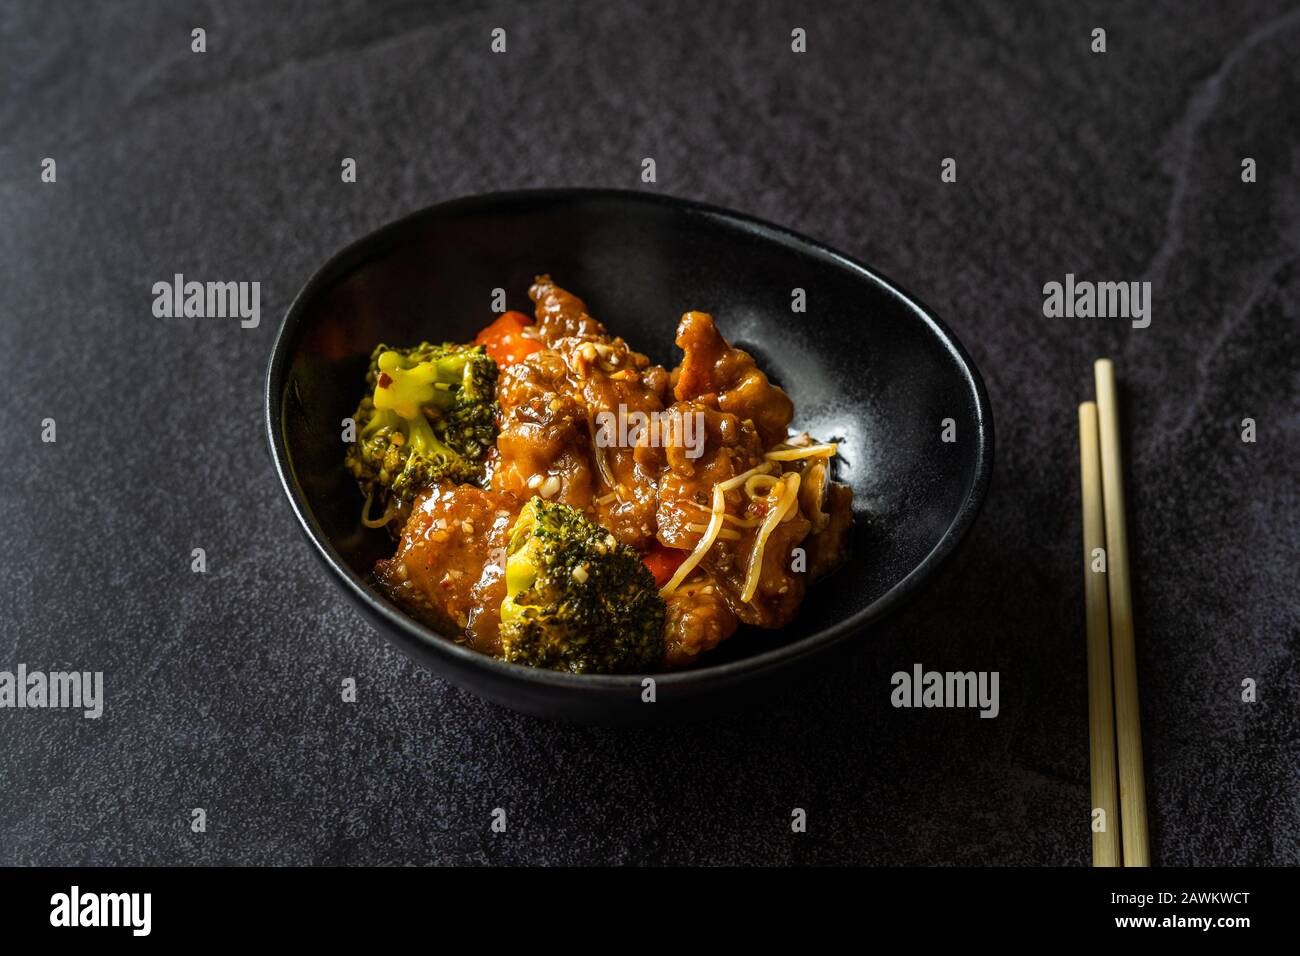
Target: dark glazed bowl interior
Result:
[[865, 364]]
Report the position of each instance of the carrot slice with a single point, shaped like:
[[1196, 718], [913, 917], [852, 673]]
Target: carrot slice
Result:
[[504, 341], [663, 562], [508, 323]]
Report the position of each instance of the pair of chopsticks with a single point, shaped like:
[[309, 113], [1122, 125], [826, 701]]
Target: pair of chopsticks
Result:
[[1115, 732]]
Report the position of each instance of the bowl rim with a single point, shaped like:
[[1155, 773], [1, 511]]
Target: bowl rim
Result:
[[419, 640]]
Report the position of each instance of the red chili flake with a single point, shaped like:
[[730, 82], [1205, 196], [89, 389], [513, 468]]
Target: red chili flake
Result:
[[384, 380]]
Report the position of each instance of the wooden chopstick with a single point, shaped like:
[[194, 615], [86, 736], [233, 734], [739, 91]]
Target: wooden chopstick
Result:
[[1128, 727], [1101, 713]]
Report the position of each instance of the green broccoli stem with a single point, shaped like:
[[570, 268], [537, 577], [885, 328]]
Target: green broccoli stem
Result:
[[424, 442]]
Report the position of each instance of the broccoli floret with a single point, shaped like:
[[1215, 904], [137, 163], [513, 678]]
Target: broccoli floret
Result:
[[576, 599], [430, 416]]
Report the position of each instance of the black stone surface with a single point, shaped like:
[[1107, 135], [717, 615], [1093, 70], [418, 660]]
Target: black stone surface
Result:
[[223, 688]]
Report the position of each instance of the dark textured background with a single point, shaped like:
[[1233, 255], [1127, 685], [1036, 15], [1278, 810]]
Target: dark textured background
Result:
[[222, 689]]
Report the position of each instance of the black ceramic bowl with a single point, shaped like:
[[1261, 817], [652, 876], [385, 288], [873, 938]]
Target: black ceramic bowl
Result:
[[865, 364]]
